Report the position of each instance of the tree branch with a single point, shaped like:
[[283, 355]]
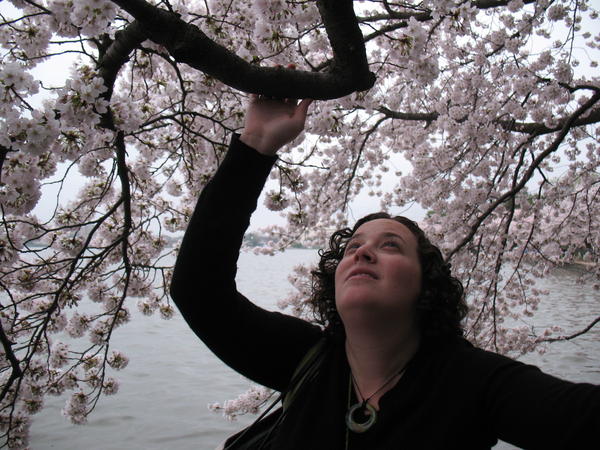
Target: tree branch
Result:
[[188, 44], [508, 125], [539, 128], [113, 54], [346, 39], [574, 335], [3, 152], [424, 117], [424, 15], [14, 362], [32, 3], [487, 4]]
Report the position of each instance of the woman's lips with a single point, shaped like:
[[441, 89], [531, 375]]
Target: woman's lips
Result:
[[361, 273], [361, 276]]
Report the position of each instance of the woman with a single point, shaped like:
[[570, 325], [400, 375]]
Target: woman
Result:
[[395, 371]]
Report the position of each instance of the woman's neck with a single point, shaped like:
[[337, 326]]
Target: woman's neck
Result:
[[376, 355]]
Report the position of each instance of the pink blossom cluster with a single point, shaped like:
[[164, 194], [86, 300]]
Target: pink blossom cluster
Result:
[[248, 402]]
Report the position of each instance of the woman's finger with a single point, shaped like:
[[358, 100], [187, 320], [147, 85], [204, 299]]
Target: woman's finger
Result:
[[303, 107]]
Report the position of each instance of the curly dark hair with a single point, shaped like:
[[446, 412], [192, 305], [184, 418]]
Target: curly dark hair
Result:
[[440, 305]]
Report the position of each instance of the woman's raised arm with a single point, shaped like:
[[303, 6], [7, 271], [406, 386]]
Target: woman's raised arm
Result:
[[262, 345]]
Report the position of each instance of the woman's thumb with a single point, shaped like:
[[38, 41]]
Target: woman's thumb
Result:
[[303, 106]]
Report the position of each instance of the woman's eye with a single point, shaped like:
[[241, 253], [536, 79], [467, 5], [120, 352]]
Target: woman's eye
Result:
[[391, 244], [352, 246]]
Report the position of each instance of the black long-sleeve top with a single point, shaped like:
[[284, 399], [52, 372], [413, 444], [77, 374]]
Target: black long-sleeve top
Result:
[[452, 395]]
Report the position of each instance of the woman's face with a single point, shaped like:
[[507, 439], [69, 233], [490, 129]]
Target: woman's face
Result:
[[379, 274]]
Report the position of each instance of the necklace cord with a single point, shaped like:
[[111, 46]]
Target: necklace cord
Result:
[[365, 400]]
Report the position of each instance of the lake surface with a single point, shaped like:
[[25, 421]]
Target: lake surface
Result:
[[172, 377]]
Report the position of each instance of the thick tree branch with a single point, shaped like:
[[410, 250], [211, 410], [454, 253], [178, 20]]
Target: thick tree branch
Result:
[[346, 39], [188, 44]]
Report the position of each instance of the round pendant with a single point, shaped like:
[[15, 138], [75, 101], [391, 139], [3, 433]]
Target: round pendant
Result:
[[361, 427]]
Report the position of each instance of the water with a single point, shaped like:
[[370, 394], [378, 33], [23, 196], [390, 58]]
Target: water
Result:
[[171, 376]]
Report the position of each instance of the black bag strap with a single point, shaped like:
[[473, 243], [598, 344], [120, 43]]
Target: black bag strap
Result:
[[306, 370]]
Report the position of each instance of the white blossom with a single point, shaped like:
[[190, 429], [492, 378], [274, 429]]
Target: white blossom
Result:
[[118, 360]]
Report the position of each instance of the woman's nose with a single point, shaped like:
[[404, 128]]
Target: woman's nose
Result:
[[364, 252]]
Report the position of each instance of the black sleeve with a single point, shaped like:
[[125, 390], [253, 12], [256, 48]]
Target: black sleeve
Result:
[[534, 410], [262, 345]]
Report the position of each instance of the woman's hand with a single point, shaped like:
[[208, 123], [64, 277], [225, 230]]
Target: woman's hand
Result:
[[271, 123]]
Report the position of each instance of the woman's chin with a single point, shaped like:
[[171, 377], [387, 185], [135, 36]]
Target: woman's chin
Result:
[[360, 306]]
